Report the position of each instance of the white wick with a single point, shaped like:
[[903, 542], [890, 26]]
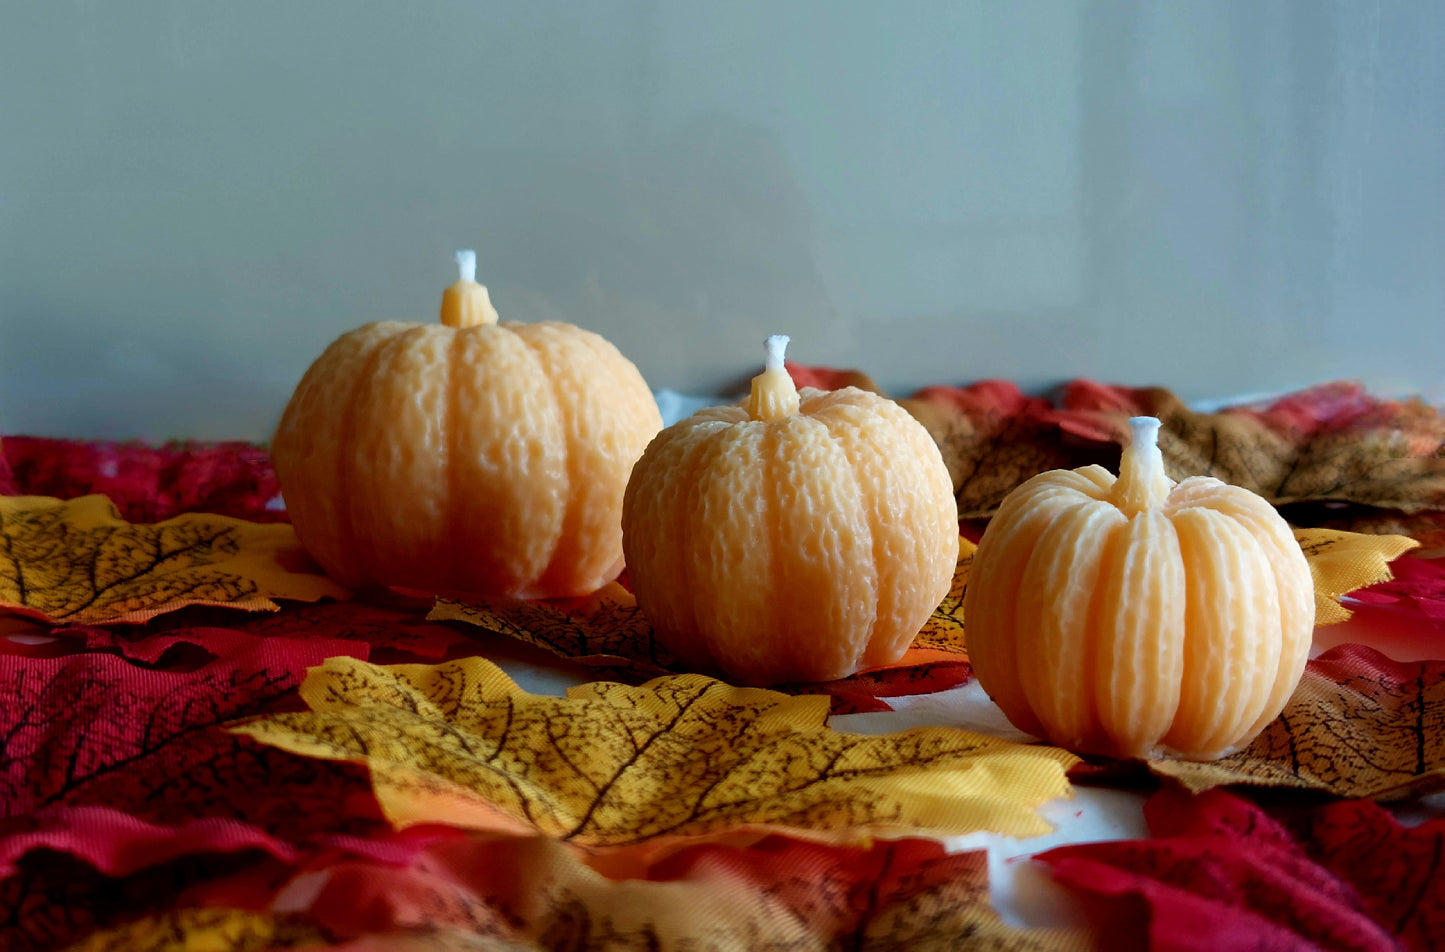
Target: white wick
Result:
[[775, 346], [1143, 432], [467, 265]]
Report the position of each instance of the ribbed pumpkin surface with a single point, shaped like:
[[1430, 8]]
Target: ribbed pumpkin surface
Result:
[[488, 459], [1137, 617], [799, 548]]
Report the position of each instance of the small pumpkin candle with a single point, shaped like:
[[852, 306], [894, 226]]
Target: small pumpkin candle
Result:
[[1137, 617], [465, 456], [795, 537]]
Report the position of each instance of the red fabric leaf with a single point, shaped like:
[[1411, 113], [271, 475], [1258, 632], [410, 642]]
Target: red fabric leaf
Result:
[[395, 630], [1420, 581], [118, 843], [1399, 871], [147, 483], [96, 730], [1220, 874]]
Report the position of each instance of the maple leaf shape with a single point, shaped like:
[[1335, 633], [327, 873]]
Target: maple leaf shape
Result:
[[148, 483], [679, 756], [78, 562], [1358, 725], [1219, 873]]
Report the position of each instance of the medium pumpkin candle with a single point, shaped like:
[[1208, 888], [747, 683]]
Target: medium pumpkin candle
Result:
[[799, 536], [465, 456], [1137, 617]]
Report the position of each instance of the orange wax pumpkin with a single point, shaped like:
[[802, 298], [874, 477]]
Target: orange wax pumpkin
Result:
[[797, 537], [465, 456], [1137, 617]]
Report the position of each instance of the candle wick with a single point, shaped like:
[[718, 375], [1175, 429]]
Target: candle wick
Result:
[[467, 265], [775, 346], [1144, 431]]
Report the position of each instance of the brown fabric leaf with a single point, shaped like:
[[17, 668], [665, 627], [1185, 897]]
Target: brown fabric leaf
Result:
[[1329, 443], [994, 437], [1358, 725]]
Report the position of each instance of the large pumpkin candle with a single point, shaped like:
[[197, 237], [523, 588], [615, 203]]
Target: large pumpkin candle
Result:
[[1137, 617], [465, 456], [795, 537]]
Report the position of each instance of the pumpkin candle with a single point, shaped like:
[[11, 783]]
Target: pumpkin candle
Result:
[[1135, 616], [798, 536], [465, 456]]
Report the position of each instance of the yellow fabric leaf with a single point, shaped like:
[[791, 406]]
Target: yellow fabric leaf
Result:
[[1341, 562], [680, 756], [78, 562], [204, 930]]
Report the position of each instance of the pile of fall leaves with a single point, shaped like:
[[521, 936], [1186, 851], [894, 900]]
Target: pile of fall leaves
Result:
[[207, 743]]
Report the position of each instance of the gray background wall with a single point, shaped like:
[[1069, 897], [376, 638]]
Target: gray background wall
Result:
[[1223, 197]]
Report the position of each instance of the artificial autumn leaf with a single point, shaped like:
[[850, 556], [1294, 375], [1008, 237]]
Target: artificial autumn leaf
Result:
[[993, 437], [149, 483], [608, 632], [78, 562], [97, 731], [680, 756], [117, 843], [1420, 582], [392, 626], [1332, 442], [1358, 725], [778, 893], [1341, 562], [223, 930], [829, 378], [605, 629], [56, 899], [1219, 873], [1426, 527], [1396, 869]]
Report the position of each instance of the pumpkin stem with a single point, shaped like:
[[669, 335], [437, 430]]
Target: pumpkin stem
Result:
[[1142, 482], [466, 303], [773, 393]]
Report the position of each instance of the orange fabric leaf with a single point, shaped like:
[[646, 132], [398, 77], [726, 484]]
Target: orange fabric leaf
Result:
[[78, 562]]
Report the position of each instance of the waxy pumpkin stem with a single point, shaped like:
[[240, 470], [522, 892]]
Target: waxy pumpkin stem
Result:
[[773, 393], [467, 303], [1142, 482]]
